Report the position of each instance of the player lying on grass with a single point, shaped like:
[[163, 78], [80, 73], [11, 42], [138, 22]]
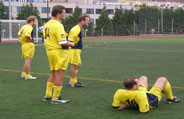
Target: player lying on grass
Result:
[[136, 94]]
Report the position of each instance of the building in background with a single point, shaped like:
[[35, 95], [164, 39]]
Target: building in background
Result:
[[90, 7]]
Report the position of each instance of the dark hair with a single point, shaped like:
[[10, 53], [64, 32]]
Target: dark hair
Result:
[[83, 18], [31, 18], [57, 9], [129, 82]]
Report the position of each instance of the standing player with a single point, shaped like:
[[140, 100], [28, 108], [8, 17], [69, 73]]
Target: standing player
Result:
[[26, 38], [136, 95], [58, 54], [40, 29], [75, 36]]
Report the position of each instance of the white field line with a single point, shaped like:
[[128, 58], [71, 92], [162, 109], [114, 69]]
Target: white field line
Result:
[[119, 41], [152, 50]]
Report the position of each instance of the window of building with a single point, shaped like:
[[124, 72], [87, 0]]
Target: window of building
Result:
[[45, 10], [92, 21], [69, 10], [30, 0], [19, 8], [80, 10], [96, 20], [98, 11], [110, 11], [7, 8], [89, 11]]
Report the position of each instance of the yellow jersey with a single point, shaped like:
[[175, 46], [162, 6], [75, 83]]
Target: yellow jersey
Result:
[[75, 36], [54, 33], [133, 99], [25, 32]]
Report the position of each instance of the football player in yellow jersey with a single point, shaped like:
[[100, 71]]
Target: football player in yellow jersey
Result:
[[136, 94], [26, 38], [56, 46], [75, 36]]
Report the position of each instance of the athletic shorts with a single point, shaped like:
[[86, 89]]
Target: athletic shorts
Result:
[[153, 96], [157, 92], [58, 59], [28, 50], [74, 56]]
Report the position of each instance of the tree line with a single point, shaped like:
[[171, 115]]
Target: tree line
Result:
[[124, 22]]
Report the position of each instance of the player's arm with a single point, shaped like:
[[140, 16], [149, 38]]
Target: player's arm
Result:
[[117, 104], [121, 107], [74, 33], [61, 35], [28, 34]]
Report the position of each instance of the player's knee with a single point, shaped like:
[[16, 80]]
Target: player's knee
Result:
[[143, 78], [163, 79], [79, 65], [72, 71]]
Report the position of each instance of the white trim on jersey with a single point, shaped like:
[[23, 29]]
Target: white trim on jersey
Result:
[[63, 42]]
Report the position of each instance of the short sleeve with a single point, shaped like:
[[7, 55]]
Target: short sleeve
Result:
[[116, 100], [74, 33], [60, 33], [28, 32]]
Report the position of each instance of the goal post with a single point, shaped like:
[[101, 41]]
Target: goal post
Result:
[[10, 28]]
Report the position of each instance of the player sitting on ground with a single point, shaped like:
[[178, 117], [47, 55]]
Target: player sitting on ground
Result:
[[136, 94]]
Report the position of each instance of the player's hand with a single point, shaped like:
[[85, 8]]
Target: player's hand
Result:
[[29, 40], [71, 44]]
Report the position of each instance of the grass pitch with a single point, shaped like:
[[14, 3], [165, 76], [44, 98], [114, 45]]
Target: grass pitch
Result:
[[105, 64]]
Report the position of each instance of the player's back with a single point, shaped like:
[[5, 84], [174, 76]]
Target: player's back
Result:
[[53, 32], [133, 99], [24, 32]]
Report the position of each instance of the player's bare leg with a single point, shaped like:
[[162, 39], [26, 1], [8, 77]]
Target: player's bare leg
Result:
[[164, 85], [26, 69], [73, 76], [143, 81]]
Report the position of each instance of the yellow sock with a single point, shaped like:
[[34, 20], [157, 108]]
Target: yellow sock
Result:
[[57, 91], [27, 75], [23, 73], [73, 80], [168, 91], [49, 88]]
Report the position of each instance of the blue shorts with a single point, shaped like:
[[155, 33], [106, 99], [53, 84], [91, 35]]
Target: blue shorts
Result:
[[153, 100]]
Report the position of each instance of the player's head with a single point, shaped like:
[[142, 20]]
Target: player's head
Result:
[[59, 12], [84, 20], [131, 83], [32, 20]]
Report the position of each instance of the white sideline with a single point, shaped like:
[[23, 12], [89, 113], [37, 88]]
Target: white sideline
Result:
[[152, 50]]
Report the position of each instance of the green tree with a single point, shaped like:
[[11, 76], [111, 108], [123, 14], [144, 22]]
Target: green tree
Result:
[[104, 23], [117, 21], [3, 11], [148, 18], [72, 20], [178, 19], [29, 10]]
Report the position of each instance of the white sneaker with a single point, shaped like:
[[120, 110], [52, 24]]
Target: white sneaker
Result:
[[59, 101], [22, 76], [70, 83], [30, 78]]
